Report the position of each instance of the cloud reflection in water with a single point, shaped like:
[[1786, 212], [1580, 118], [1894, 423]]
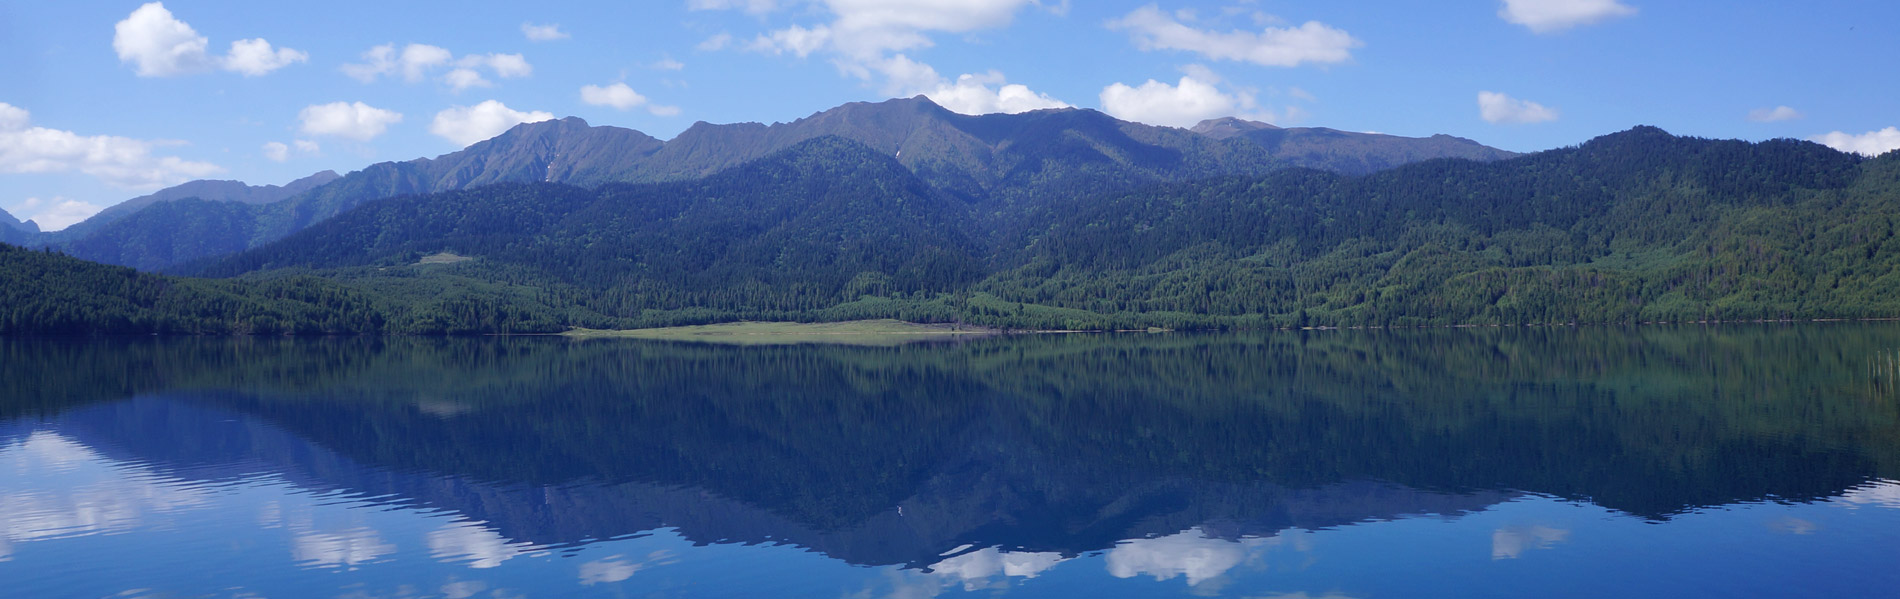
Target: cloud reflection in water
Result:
[[475, 544], [59, 488]]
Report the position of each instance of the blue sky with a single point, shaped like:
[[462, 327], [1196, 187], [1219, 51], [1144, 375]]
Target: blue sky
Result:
[[104, 101]]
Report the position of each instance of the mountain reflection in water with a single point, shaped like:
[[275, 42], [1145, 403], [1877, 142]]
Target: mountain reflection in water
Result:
[[1165, 457]]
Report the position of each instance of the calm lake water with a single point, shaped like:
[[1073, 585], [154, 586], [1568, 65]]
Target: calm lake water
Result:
[[1595, 462]]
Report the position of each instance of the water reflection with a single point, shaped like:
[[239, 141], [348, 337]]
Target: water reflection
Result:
[[60, 488], [1511, 542], [1190, 461], [1189, 553]]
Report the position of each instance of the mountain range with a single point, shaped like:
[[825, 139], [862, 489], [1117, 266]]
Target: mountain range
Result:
[[998, 163], [1089, 227]]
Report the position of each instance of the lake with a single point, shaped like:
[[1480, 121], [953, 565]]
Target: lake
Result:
[[1689, 461]]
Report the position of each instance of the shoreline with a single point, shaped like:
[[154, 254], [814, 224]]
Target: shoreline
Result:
[[852, 332]]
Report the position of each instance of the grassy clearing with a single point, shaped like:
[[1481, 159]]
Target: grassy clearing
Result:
[[856, 332], [443, 258]]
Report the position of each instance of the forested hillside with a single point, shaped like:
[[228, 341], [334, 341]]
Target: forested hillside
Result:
[[1635, 226], [800, 231], [42, 292], [1632, 227]]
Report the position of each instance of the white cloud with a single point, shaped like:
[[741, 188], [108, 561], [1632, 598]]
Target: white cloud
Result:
[[794, 39], [56, 213], [715, 43], [1313, 42], [1772, 115], [864, 34], [668, 64], [1182, 105], [757, 7], [416, 61], [506, 66], [954, 16], [973, 94], [13, 118], [157, 44], [461, 79], [349, 120], [902, 76], [466, 125], [278, 151], [1500, 108], [968, 94], [1549, 16], [618, 95], [118, 161], [1872, 143], [621, 97], [377, 61], [255, 57], [543, 33]]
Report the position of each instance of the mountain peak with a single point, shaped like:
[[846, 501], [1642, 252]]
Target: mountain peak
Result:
[[1637, 132], [1638, 135], [1227, 126], [911, 107], [562, 126], [311, 182], [8, 220]]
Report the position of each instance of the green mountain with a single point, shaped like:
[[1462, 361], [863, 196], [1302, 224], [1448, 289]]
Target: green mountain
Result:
[[999, 163], [825, 219], [1343, 151], [1635, 226], [209, 190]]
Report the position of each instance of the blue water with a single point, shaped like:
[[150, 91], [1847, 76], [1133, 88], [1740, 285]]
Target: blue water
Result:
[[1648, 462]]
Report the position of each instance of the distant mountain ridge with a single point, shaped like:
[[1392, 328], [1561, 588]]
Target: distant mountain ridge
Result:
[[999, 162], [1344, 151], [8, 221], [204, 189]]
